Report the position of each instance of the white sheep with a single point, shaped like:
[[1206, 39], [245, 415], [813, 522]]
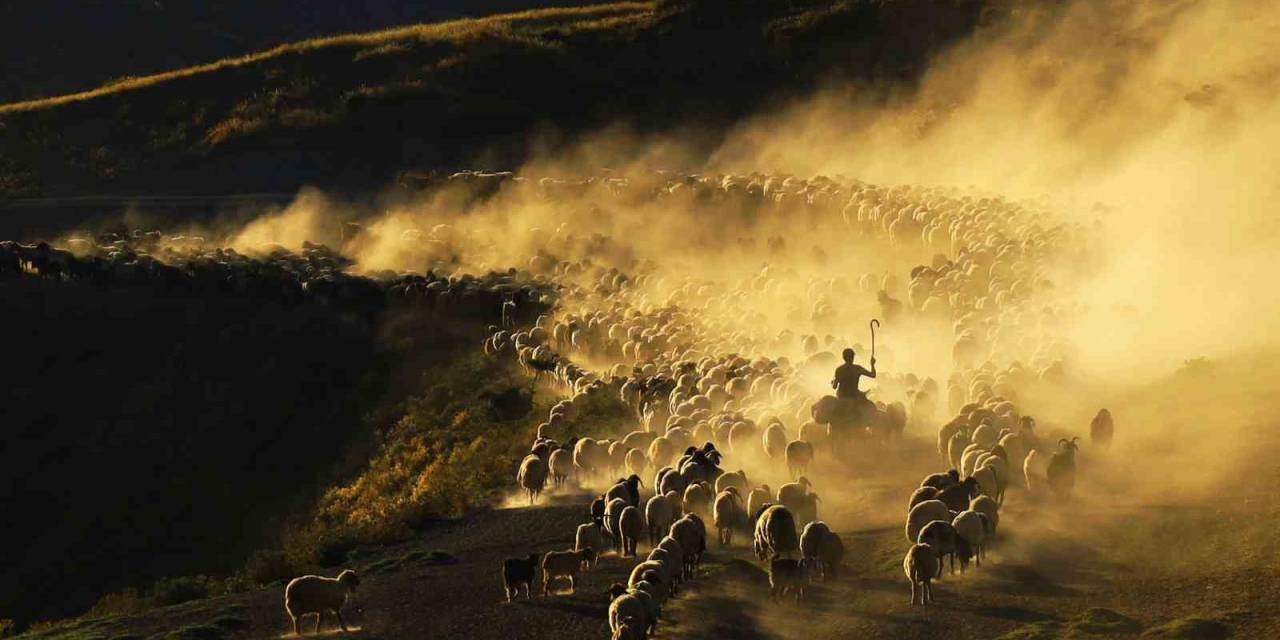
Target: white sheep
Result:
[[736, 479], [1035, 468], [987, 507], [821, 549], [659, 513], [319, 595], [532, 475], [612, 511], [675, 551], [757, 499], [972, 529], [799, 454], [589, 536], [561, 466], [691, 533], [920, 565], [635, 462], [924, 513], [628, 617], [697, 499], [774, 441], [775, 532], [564, 564]]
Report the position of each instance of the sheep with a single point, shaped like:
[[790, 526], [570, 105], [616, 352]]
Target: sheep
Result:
[[923, 514], [775, 532], [319, 595], [775, 441], [668, 559], [757, 498], [697, 499], [630, 526], [517, 572], [651, 606], [941, 536], [560, 465], [728, 514], [822, 549], [653, 601], [920, 495], [564, 564], [659, 513], [628, 617], [941, 481], [612, 512], [1101, 429], [988, 483], [957, 497], [793, 494], [1035, 469], [786, 576], [1061, 473], [675, 550], [627, 489], [920, 565], [691, 533], [635, 462], [736, 479], [799, 454], [597, 509], [589, 536], [532, 476], [658, 571], [988, 507], [671, 480], [971, 527]]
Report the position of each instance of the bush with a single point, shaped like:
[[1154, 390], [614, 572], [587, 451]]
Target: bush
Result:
[[122, 603], [171, 591]]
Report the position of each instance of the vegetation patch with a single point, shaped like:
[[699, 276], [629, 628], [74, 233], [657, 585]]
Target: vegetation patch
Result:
[[1093, 623]]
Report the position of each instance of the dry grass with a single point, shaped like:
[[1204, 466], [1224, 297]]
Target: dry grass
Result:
[[601, 16]]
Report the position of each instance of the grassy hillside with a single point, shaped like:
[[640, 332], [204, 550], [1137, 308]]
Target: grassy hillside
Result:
[[74, 45], [354, 109]]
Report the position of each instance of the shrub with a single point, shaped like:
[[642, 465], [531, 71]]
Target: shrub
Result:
[[171, 591]]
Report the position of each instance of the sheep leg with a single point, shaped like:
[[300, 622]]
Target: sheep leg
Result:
[[296, 630], [913, 592], [546, 582], [573, 585], [341, 623], [928, 589], [319, 619], [953, 563]]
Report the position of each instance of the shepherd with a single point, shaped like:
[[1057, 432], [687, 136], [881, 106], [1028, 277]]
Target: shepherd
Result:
[[848, 376]]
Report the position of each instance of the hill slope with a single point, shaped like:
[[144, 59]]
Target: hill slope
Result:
[[355, 109]]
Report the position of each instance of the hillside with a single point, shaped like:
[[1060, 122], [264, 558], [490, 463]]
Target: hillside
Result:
[[355, 109], [75, 45]]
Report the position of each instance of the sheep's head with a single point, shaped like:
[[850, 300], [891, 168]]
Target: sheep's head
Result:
[[349, 579], [804, 481], [1069, 447], [616, 589], [954, 474]]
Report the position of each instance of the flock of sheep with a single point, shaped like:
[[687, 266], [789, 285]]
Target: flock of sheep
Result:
[[589, 315]]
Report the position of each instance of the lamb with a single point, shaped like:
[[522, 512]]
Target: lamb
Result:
[[971, 526], [659, 513], [517, 572], [920, 565], [631, 526], [532, 475], [728, 514], [942, 538], [564, 564], [775, 532], [924, 513], [319, 595], [786, 576], [1061, 473], [821, 549], [589, 536], [799, 454]]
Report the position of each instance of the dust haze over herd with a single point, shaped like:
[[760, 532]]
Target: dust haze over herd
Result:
[[1072, 209]]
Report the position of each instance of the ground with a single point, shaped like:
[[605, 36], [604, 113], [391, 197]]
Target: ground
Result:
[[1087, 568]]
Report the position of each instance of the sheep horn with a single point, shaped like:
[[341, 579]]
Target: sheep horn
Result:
[[1073, 440], [1062, 441]]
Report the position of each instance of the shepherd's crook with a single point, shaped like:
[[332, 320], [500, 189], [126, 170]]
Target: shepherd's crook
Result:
[[874, 323]]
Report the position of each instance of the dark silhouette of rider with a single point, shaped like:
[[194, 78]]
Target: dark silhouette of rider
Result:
[[848, 375]]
